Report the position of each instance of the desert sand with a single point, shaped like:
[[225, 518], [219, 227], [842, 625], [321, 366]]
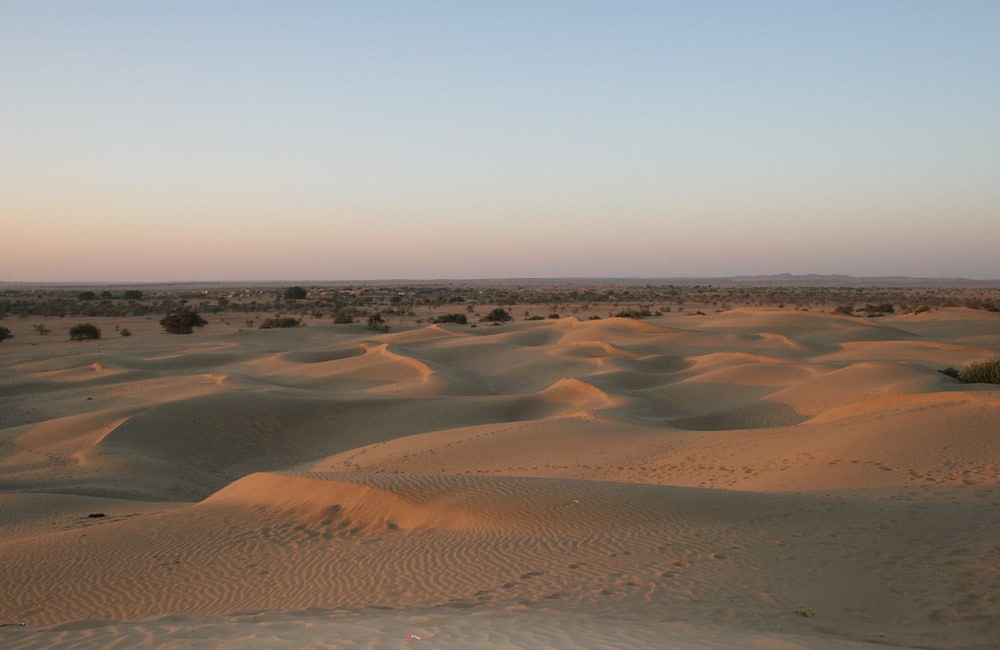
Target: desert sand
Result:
[[752, 478]]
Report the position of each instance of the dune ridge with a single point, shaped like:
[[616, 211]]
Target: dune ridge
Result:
[[695, 477]]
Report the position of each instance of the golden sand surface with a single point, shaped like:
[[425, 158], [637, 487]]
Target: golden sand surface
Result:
[[750, 478]]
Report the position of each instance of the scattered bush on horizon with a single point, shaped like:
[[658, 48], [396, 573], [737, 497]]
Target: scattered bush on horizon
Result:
[[498, 315], [132, 294], [285, 321], [295, 293], [5, 333], [980, 372], [451, 318], [84, 332], [182, 321], [87, 295]]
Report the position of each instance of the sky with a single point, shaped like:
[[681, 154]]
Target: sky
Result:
[[329, 140]]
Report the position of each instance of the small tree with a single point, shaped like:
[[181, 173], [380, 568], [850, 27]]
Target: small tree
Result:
[[376, 323], [84, 332], [498, 315], [461, 319], [182, 321], [280, 321], [295, 293], [5, 333]]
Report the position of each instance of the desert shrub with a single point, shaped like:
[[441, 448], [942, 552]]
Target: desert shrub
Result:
[[182, 321], [84, 332], [132, 294], [42, 329], [534, 317], [377, 324], [125, 332], [295, 293], [87, 295], [5, 333], [343, 317], [286, 321], [952, 371], [844, 310], [451, 318], [983, 372], [633, 313], [496, 316]]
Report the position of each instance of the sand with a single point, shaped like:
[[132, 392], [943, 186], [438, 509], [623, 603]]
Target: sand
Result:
[[751, 478]]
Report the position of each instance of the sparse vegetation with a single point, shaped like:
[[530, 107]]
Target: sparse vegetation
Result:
[[343, 317], [376, 323], [42, 330], [182, 321], [125, 332], [5, 333], [802, 610], [642, 312], [285, 321], [84, 332], [461, 319], [295, 293], [498, 315], [982, 372]]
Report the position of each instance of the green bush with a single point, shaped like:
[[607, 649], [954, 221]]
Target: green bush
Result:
[[84, 332], [496, 316], [461, 319], [377, 324], [286, 321], [295, 293], [983, 372], [182, 321]]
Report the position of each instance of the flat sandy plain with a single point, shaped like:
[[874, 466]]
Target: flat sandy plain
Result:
[[678, 481]]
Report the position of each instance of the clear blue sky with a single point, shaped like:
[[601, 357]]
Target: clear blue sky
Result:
[[360, 140]]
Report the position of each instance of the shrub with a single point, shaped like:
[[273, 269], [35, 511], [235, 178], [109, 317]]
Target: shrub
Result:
[[952, 371], [631, 313], [295, 293], [182, 321], [84, 332], [87, 295], [133, 294], [496, 316], [125, 332], [451, 318], [286, 321], [844, 310], [983, 372], [343, 317], [377, 324], [41, 329], [5, 333]]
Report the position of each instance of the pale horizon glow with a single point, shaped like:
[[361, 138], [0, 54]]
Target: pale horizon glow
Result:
[[229, 141]]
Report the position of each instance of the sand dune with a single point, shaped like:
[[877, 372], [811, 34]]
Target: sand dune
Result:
[[672, 482]]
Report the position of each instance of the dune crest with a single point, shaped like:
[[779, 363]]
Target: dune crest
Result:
[[715, 471]]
